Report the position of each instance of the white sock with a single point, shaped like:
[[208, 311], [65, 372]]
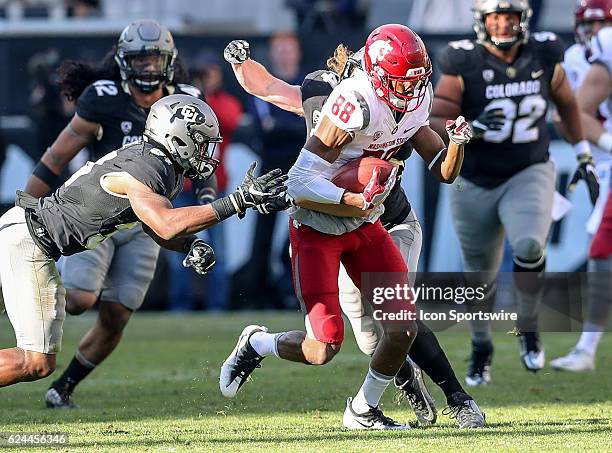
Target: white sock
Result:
[[589, 339], [264, 343], [371, 391]]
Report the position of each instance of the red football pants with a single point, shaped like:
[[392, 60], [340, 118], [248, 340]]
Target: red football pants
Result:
[[316, 257], [601, 246]]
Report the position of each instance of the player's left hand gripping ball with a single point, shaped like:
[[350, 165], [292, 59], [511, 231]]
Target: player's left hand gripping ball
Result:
[[201, 257], [586, 171], [459, 131], [376, 192]]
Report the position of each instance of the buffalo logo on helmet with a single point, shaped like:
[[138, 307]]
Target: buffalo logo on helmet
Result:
[[189, 113]]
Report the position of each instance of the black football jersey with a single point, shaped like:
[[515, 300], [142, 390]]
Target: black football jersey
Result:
[[122, 121], [316, 88], [521, 89], [82, 213]]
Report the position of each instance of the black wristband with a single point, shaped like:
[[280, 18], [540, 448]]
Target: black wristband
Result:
[[44, 173], [225, 208]]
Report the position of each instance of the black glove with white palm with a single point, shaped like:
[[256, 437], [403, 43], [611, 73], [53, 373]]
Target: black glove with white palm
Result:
[[201, 257], [237, 51], [488, 120], [585, 171], [265, 193]]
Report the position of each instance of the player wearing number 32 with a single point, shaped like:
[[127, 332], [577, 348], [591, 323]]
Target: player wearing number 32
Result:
[[503, 82], [371, 113]]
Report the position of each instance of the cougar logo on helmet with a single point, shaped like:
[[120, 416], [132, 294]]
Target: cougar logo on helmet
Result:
[[378, 50]]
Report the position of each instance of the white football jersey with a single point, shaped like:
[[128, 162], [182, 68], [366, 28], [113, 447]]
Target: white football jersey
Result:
[[354, 107], [577, 66]]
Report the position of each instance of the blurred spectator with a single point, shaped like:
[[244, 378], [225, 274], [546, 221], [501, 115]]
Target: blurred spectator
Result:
[[82, 8], [328, 13], [208, 76], [435, 16], [282, 135], [49, 110]]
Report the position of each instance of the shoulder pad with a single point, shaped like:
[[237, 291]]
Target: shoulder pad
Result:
[[347, 109], [455, 58], [549, 47], [98, 98], [601, 47], [183, 88], [318, 83]]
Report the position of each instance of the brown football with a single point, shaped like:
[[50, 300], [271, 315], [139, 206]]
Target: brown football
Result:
[[356, 174]]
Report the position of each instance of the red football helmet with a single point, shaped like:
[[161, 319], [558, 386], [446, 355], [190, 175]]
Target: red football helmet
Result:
[[587, 12], [398, 66]]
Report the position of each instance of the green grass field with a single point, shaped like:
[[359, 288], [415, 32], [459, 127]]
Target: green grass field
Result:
[[159, 392]]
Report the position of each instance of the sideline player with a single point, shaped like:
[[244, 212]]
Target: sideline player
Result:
[[112, 106], [503, 83], [122, 190], [595, 100], [399, 219], [388, 102]]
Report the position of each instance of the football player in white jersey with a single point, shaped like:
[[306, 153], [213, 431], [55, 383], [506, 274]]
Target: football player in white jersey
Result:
[[372, 113], [588, 64], [426, 354]]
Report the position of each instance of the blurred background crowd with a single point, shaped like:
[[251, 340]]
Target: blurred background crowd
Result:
[[292, 38]]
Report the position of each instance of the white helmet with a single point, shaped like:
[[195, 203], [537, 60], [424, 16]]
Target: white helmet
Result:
[[188, 129]]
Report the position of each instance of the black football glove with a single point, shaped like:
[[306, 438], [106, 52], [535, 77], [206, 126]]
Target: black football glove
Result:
[[201, 257], [237, 51], [279, 202], [586, 172], [258, 192], [488, 120]]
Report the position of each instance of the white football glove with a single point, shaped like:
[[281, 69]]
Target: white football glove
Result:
[[459, 131], [237, 51]]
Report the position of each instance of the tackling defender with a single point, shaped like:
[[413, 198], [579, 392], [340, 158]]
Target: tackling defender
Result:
[[399, 219], [111, 109], [370, 113], [595, 100], [122, 190], [503, 83]]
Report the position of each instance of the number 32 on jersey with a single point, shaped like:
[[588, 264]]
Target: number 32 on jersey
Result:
[[521, 123]]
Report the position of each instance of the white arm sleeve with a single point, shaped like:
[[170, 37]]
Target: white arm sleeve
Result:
[[306, 181]]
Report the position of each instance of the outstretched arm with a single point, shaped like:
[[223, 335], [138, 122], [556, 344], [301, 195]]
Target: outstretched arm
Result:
[[257, 80]]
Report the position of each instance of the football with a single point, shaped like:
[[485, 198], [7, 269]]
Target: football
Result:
[[356, 174]]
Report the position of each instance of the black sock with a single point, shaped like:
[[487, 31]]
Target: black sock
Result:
[[427, 353], [405, 373], [71, 376]]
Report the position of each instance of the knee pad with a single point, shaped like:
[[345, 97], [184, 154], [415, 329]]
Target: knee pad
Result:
[[528, 253]]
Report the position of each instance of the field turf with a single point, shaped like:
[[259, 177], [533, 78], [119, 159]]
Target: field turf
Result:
[[159, 393]]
